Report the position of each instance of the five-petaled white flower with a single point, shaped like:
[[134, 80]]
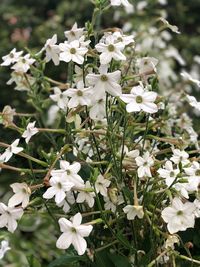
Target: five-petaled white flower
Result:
[[147, 64], [11, 58], [101, 185], [105, 82], [140, 99], [168, 172], [59, 185], [8, 217], [134, 210], [22, 194], [179, 216], [87, 195], [144, 163], [52, 50], [4, 248], [30, 131], [75, 33], [73, 233], [72, 51], [23, 63], [120, 2], [61, 98], [180, 156], [110, 50], [12, 149], [70, 172], [79, 96]]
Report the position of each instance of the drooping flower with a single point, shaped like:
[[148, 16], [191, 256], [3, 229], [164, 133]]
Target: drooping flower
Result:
[[193, 102], [105, 82], [59, 185], [73, 233], [179, 216], [101, 185], [22, 194], [11, 58], [188, 77], [9, 217], [12, 149], [144, 163], [4, 248], [140, 99], [30, 131], [86, 195], [134, 210], [52, 50], [97, 109]]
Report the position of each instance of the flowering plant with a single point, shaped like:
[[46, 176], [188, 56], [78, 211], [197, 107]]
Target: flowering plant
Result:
[[107, 157]]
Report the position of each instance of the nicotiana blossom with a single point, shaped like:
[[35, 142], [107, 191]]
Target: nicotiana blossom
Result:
[[75, 33], [110, 50], [87, 195], [101, 185], [67, 202], [105, 82], [134, 210], [61, 98], [193, 102], [72, 51], [12, 149], [179, 216], [109, 205], [4, 248], [79, 96], [180, 156], [22, 194], [140, 99], [98, 109], [30, 131], [147, 64], [59, 185], [11, 58], [73, 233], [144, 163], [70, 173], [188, 77], [168, 172], [120, 2], [52, 50], [9, 217], [23, 63]]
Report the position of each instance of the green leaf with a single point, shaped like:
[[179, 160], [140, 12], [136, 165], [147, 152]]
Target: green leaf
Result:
[[66, 259], [119, 260]]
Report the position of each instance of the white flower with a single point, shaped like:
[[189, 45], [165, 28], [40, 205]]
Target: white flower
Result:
[[8, 217], [134, 210], [52, 50], [4, 248], [180, 156], [30, 131], [193, 177], [188, 77], [139, 99], [23, 63], [125, 39], [61, 98], [147, 64], [197, 208], [171, 240], [173, 28], [120, 2], [12, 149], [70, 172], [80, 96], [110, 50], [98, 110], [193, 102], [144, 163], [168, 172], [59, 186], [22, 195], [72, 52], [109, 205], [11, 58], [101, 185], [85, 195], [69, 200], [179, 216], [74, 34], [105, 82], [73, 233]]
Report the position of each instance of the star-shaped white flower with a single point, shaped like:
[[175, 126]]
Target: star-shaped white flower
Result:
[[179, 216], [23, 63], [61, 98], [59, 185], [30, 131], [22, 194], [101, 185], [73, 233], [180, 156], [4, 248], [134, 210], [140, 99], [105, 82], [75, 33], [168, 172], [147, 64], [86, 195], [11, 58], [144, 163], [52, 50], [9, 217], [12, 149]]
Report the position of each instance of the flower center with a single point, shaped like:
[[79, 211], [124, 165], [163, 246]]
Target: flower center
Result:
[[104, 78], [68, 172], [73, 230], [197, 173], [11, 55], [72, 33], [180, 212], [73, 51], [172, 174], [111, 48], [139, 99], [79, 93], [59, 185], [23, 60], [145, 62]]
